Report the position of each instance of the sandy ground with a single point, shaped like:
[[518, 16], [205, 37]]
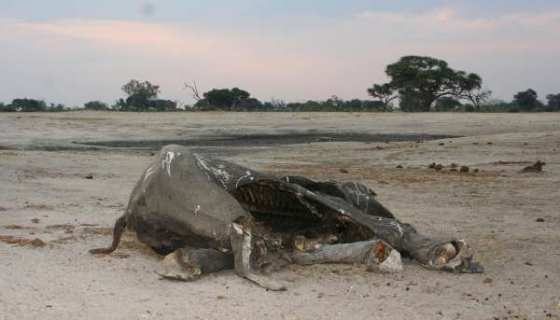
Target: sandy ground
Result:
[[51, 213]]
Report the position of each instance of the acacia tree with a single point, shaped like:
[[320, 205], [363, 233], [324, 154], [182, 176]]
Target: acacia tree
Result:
[[419, 81]]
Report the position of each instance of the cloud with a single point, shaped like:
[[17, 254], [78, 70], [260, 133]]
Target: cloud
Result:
[[446, 28], [164, 53], [73, 61]]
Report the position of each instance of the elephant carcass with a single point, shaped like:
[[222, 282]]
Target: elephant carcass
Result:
[[211, 214], [293, 204]]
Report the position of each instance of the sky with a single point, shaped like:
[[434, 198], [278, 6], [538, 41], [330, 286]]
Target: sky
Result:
[[72, 52]]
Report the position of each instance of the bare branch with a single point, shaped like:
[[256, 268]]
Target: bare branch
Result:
[[194, 90]]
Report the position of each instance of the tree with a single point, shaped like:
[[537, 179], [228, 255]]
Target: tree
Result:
[[139, 95], [28, 105], [227, 99], [527, 100], [141, 88], [420, 81], [220, 98], [95, 105], [553, 102]]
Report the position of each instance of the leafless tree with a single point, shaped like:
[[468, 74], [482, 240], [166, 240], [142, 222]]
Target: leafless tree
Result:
[[194, 90]]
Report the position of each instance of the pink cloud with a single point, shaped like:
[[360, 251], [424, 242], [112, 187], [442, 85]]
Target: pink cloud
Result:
[[316, 60]]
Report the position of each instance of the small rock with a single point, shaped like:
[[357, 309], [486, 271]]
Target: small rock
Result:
[[535, 167], [527, 263], [441, 144], [89, 176], [13, 226], [487, 280], [342, 170], [475, 170], [35, 220], [37, 243], [399, 166], [539, 220], [489, 142]]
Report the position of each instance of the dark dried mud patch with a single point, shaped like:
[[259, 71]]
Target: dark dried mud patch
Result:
[[227, 141], [266, 140]]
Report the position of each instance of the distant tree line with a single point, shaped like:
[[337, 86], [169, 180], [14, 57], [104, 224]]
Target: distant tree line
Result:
[[236, 99], [416, 84], [31, 105]]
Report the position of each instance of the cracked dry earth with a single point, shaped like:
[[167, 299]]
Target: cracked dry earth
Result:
[[55, 205]]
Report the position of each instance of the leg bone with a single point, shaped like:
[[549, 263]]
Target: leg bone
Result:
[[242, 250], [376, 254]]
